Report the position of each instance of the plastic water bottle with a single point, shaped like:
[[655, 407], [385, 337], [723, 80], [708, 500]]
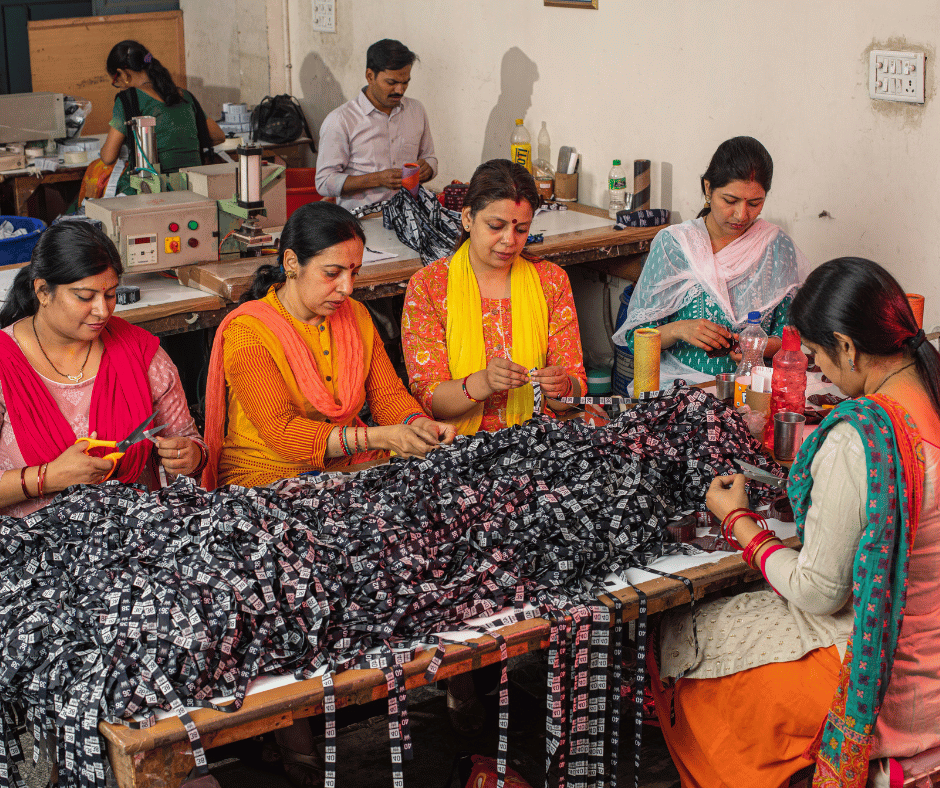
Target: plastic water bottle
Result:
[[752, 340], [788, 385], [520, 145], [617, 185], [545, 144]]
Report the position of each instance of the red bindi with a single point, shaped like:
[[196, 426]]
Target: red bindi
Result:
[[518, 201], [515, 221]]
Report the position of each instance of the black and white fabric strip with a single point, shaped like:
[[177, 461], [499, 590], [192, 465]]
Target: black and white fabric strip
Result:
[[114, 600]]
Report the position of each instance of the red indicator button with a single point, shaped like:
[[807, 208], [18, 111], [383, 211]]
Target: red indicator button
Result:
[[193, 242], [173, 227]]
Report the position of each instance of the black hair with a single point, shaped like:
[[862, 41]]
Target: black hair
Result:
[[860, 299], [132, 56], [65, 253], [498, 179], [738, 159], [309, 230], [389, 55]]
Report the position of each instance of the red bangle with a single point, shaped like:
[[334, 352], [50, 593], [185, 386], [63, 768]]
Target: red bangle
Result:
[[41, 479], [569, 388], [728, 531], [23, 484], [365, 437], [754, 545], [727, 516], [467, 394]]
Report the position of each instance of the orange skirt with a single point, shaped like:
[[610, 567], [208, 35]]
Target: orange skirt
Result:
[[750, 728]]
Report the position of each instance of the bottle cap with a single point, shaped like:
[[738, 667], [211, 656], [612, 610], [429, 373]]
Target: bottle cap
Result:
[[616, 162], [753, 317], [518, 121], [791, 338]]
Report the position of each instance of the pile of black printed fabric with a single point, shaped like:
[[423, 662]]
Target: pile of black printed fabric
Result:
[[116, 602]]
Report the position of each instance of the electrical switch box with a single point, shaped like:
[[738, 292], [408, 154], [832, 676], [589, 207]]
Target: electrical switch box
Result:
[[896, 76], [154, 232]]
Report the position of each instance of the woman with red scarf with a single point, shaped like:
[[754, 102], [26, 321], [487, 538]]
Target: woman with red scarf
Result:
[[70, 369]]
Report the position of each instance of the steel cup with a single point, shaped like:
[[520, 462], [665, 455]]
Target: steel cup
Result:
[[788, 434], [724, 385]]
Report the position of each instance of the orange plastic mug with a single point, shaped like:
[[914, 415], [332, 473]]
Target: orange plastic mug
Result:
[[409, 177]]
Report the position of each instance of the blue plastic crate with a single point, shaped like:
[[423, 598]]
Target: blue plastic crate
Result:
[[16, 251]]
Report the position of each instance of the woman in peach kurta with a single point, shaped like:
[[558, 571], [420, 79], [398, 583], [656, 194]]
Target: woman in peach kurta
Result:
[[511, 292]]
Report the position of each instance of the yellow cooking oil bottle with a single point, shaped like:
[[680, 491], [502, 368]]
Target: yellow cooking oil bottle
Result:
[[521, 146]]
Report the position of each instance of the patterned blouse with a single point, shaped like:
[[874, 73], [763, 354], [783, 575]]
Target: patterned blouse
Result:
[[424, 329], [702, 306]]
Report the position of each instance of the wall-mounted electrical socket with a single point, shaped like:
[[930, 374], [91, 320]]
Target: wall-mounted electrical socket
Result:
[[324, 16], [896, 76]]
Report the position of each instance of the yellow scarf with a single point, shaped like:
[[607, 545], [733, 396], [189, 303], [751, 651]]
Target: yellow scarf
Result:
[[466, 351]]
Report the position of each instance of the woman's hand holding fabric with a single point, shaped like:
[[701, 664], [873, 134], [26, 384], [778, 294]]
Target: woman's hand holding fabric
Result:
[[411, 440], [73, 466], [725, 494], [180, 456], [502, 375], [701, 333], [553, 380]]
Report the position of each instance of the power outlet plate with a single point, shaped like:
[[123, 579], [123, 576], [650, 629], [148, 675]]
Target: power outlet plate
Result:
[[896, 76], [324, 16]]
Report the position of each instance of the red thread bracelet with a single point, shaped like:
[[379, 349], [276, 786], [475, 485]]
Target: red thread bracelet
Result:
[[767, 553], [467, 394]]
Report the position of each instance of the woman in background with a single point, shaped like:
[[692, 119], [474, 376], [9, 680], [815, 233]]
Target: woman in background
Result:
[[839, 663], [182, 128], [703, 276], [475, 324], [69, 368]]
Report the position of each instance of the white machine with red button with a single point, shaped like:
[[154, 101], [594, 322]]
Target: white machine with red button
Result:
[[155, 232]]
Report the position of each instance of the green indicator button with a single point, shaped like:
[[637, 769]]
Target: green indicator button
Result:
[[193, 225]]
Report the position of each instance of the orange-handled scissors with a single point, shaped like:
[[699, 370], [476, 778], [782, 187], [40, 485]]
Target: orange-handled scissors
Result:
[[139, 434]]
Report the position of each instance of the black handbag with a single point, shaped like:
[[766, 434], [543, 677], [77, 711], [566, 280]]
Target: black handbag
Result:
[[279, 119]]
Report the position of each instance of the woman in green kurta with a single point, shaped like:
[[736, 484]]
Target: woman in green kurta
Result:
[[132, 67], [702, 277]]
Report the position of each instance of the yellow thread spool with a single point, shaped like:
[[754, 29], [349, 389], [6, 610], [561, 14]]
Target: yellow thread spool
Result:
[[646, 348]]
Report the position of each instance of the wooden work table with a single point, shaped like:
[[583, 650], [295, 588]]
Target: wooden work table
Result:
[[599, 245], [160, 756]]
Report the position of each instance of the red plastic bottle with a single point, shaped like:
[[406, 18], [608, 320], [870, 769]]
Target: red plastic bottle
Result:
[[788, 385]]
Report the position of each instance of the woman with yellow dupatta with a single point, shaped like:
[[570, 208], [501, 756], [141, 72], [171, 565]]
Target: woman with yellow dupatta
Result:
[[839, 662], [476, 324], [293, 365]]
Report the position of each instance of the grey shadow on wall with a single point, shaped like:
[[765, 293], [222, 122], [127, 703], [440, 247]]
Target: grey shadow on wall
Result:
[[212, 97], [518, 75], [665, 190], [320, 92]]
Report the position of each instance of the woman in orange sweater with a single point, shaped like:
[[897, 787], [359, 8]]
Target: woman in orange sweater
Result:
[[293, 365]]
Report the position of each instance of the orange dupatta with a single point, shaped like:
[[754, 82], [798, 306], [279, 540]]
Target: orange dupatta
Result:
[[278, 335]]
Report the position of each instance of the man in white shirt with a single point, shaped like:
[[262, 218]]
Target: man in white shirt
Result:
[[365, 142]]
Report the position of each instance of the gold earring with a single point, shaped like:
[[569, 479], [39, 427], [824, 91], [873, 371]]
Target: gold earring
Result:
[[291, 273], [708, 200]]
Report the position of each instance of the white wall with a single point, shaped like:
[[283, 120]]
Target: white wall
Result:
[[663, 81]]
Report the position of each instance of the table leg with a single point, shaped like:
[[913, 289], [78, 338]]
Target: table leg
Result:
[[164, 767], [23, 189]]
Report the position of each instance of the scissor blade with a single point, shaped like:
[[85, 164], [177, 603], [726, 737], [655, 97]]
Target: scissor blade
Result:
[[136, 435], [760, 475]]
